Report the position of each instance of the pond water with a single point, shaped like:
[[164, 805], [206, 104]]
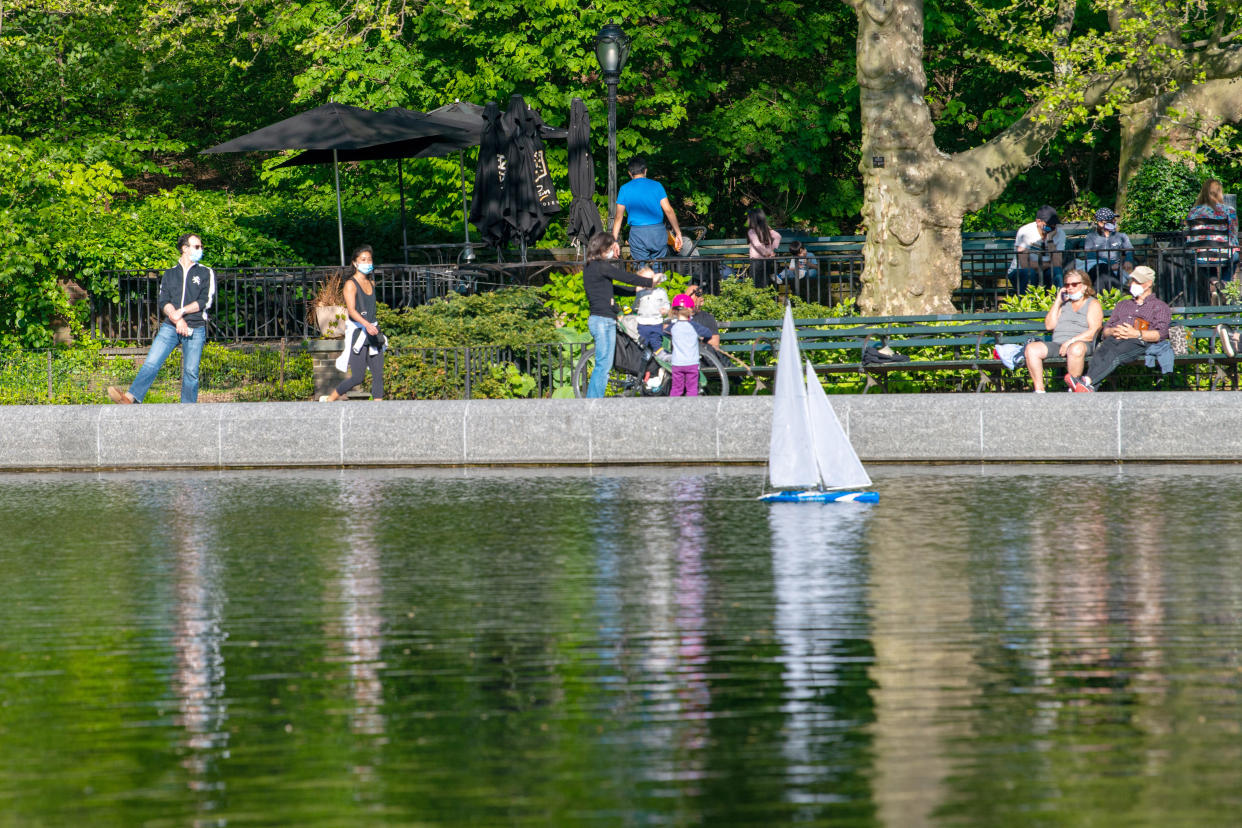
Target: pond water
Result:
[[1038, 645]]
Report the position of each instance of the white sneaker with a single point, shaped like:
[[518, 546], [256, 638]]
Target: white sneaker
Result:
[[325, 398]]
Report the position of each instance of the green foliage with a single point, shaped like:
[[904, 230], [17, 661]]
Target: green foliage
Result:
[[417, 375], [739, 300], [510, 317], [1040, 299], [1160, 196], [82, 375]]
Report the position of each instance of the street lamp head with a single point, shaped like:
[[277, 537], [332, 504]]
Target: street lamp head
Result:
[[612, 47]]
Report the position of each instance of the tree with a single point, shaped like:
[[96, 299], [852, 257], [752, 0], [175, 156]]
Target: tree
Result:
[[1075, 66]]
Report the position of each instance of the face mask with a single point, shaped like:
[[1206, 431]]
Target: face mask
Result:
[[1074, 297], [1136, 289], [365, 268], [196, 253]]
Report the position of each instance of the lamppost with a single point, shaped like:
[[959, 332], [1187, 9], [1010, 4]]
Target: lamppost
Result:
[[612, 47]]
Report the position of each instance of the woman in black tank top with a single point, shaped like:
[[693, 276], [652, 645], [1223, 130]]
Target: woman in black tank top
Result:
[[360, 307]]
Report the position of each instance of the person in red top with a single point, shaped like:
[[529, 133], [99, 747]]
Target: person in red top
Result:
[[1132, 326]]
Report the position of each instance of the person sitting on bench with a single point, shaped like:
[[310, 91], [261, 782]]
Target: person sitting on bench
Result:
[[1074, 319], [1132, 326]]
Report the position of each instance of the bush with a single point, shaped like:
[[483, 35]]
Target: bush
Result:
[[1160, 195], [509, 317]]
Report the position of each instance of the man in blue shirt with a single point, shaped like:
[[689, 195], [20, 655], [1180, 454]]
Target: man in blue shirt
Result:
[[647, 205]]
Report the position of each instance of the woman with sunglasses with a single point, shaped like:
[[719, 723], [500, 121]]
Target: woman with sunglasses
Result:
[[1075, 318]]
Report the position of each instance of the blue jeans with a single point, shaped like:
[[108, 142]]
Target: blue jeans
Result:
[[1027, 276], [648, 242], [604, 331], [166, 340]]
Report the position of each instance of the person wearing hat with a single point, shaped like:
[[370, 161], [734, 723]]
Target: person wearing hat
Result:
[[1133, 325], [1037, 252], [1104, 249]]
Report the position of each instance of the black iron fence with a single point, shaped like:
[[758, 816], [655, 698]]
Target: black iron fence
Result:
[[258, 304]]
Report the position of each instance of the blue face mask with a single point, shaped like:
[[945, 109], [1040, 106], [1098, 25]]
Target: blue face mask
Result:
[[365, 268], [196, 253]]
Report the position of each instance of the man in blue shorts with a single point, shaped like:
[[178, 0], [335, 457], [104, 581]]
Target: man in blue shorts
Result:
[[647, 205]]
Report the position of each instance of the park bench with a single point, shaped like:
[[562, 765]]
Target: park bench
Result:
[[959, 346]]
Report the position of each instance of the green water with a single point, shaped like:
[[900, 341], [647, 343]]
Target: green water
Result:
[[1026, 646]]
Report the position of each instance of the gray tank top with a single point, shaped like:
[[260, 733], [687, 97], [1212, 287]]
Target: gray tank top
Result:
[[365, 303], [1072, 322]]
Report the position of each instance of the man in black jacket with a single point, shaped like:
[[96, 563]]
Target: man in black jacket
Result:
[[187, 291]]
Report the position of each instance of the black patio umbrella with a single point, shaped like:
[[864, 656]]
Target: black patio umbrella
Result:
[[332, 128], [489, 178], [584, 220], [528, 198], [450, 137]]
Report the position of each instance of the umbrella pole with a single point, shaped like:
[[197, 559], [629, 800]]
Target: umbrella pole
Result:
[[405, 242], [465, 212], [340, 219]]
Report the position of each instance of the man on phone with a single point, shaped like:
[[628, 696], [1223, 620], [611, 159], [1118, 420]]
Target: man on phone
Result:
[[1037, 252]]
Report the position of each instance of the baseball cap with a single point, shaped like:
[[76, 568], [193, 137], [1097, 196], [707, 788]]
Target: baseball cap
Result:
[[1048, 215], [683, 300], [1143, 274], [1105, 214]]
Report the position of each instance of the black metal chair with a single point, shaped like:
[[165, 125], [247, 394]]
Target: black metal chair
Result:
[[1207, 237]]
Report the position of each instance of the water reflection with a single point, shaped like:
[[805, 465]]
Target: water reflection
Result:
[[640, 646], [355, 637], [198, 638]]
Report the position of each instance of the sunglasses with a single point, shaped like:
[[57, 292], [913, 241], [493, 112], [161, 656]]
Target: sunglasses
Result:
[[1073, 284]]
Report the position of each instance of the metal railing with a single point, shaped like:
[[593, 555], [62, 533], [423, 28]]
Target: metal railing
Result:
[[285, 371], [258, 304]]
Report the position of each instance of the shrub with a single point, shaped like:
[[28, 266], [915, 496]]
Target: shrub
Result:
[[1160, 195], [509, 317]]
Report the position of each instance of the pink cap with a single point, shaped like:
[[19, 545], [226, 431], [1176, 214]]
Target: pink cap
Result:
[[683, 300]]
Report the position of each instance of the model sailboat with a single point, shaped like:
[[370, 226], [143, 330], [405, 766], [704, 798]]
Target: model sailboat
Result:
[[809, 456]]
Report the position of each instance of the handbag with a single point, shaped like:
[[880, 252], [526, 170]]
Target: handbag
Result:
[[1178, 340]]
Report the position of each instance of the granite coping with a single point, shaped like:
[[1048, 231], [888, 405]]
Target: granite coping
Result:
[[1105, 427]]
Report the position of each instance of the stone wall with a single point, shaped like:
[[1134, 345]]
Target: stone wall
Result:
[[899, 428]]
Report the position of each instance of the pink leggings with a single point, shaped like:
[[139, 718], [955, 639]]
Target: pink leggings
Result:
[[685, 381]]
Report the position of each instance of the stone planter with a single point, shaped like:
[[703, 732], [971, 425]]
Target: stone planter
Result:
[[330, 320]]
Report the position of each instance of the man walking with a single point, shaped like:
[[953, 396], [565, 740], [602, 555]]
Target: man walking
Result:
[[187, 291], [648, 207]]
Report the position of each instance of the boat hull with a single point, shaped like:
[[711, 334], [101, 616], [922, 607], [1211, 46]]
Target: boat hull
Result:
[[820, 496]]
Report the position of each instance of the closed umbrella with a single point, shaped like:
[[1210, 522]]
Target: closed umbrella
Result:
[[528, 198], [485, 208], [584, 220], [333, 128]]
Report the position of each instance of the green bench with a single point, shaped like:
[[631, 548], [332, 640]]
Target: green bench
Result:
[[963, 344]]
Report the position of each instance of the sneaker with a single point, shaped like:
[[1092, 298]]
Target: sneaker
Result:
[[118, 396], [1225, 337], [1084, 387], [1072, 382], [325, 398]]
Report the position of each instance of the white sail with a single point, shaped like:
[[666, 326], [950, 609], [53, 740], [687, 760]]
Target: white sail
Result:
[[839, 466], [791, 464]]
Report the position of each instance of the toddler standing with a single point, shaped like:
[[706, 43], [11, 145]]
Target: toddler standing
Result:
[[650, 308], [685, 335]]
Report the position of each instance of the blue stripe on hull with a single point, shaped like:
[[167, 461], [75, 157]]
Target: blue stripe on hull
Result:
[[817, 496]]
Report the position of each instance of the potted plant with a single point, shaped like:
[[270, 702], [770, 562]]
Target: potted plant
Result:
[[327, 309]]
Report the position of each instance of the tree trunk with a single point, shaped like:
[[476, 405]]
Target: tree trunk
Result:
[[912, 255], [1150, 127]]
